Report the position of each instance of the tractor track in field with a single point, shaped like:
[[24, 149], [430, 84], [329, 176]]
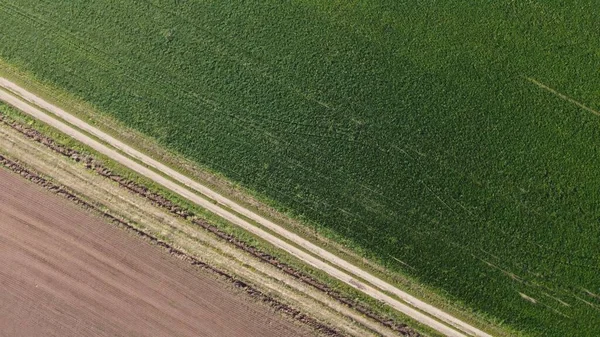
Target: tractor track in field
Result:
[[174, 209], [199, 194]]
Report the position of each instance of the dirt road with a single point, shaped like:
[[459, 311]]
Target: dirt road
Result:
[[67, 273], [231, 211]]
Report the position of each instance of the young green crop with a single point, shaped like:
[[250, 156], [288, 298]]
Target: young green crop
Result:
[[410, 129]]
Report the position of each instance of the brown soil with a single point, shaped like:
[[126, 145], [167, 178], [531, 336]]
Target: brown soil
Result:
[[64, 272]]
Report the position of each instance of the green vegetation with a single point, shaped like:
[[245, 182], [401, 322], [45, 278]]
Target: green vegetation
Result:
[[410, 129]]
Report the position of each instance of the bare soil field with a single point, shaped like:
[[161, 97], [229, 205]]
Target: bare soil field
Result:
[[64, 272]]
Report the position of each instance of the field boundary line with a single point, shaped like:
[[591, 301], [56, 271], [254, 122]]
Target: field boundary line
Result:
[[563, 96], [414, 307]]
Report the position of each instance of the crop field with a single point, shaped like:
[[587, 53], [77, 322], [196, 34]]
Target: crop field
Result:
[[453, 142]]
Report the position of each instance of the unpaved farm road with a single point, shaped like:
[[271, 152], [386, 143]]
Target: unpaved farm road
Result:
[[231, 211], [66, 273]]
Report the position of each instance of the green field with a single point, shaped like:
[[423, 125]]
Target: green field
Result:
[[419, 131]]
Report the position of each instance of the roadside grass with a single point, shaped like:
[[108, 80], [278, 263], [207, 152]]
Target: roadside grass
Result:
[[405, 128]]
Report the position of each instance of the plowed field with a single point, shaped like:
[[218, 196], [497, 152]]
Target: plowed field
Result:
[[65, 273]]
